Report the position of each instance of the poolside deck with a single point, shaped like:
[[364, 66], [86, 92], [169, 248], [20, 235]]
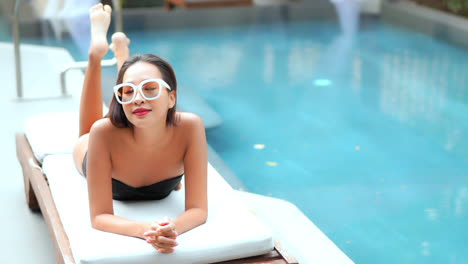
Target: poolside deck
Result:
[[42, 93]]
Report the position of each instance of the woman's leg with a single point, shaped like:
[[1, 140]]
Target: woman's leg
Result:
[[91, 96]]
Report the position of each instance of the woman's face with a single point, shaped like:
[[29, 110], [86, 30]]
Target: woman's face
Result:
[[142, 112]]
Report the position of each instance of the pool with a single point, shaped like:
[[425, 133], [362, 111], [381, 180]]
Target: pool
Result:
[[367, 136]]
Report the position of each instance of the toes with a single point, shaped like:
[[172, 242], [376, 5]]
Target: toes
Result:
[[96, 7], [107, 8], [119, 41], [119, 37]]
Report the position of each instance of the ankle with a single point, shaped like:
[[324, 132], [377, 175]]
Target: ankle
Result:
[[98, 50], [95, 56]]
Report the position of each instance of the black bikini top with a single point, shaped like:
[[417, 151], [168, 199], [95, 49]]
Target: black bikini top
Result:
[[155, 191]]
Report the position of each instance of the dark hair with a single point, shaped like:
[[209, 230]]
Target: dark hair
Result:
[[116, 113]]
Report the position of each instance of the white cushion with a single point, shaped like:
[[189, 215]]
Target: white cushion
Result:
[[230, 232], [52, 133]]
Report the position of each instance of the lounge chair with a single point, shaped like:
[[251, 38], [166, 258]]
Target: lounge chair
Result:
[[53, 186]]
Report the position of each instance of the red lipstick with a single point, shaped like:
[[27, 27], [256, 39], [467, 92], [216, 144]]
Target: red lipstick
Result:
[[141, 111]]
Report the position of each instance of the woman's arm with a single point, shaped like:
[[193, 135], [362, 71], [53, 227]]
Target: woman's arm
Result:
[[195, 167], [99, 176]]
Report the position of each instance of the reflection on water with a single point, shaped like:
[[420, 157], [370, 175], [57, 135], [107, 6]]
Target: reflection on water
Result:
[[269, 62], [455, 202], [461, 202], [426, 90], [302, 60], [348, 15], [225, 58]]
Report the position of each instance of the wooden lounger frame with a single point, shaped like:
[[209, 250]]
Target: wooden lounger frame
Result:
[[39, 198], [170, 4]]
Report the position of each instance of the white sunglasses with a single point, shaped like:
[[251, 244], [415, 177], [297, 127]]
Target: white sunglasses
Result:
[[150, 89]]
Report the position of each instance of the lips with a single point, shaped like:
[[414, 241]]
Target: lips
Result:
[[141, 111]]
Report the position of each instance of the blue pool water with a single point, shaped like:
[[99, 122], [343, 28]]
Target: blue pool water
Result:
[[367, 136]]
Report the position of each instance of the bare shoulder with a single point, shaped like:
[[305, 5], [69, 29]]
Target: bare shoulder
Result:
[[192, 132], [190, 121], [102, 128]]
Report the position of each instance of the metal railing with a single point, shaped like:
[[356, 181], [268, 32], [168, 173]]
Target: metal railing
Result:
[[77, 65], [80, 65], [16, 37]]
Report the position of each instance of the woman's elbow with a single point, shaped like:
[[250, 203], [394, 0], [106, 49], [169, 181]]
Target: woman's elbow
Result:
[[96, 222], [203, 215], [198, 215]]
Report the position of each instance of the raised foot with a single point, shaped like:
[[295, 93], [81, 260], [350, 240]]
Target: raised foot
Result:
[[100, 16], [120, 48]]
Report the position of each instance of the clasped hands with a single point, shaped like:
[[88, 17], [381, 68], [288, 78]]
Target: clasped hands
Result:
[[162, 236]]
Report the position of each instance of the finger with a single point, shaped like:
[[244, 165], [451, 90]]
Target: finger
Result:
[[171, 235], [165, 221], [167, 241], [162, 241], [155, 247], [168, 233], [167, 229], [165, 250], [165, 244], [171, 225], [161, 232], [157, 244], [160, 247], [155, 225], [164, 229], [151, 233], [151, 240]]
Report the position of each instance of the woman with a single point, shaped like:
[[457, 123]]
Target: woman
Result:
[[141, 149]]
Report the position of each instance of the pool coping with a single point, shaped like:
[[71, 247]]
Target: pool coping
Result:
[[438, 24]]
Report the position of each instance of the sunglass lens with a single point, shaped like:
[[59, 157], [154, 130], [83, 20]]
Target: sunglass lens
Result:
[[125, 93], [151, 90]]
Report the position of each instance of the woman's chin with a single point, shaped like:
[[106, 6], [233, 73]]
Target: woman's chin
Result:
[[142, 122]]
